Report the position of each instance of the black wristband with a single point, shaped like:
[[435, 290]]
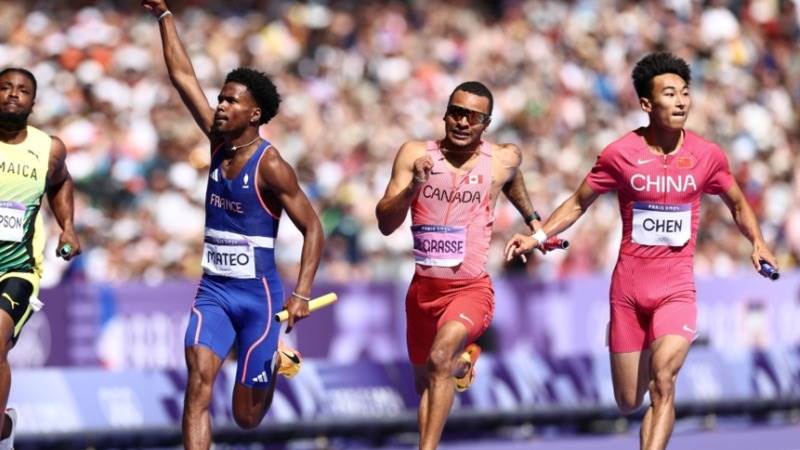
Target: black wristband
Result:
[[533, 216]]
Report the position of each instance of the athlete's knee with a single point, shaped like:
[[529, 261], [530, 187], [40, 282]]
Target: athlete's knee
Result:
[[198, 388], [662, 386], [628, 401], [247, 420], [440, 363]]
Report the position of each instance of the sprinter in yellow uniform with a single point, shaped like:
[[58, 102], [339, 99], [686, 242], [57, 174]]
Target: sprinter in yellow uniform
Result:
[[31, 164]]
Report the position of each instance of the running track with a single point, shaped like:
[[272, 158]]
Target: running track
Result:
[[785, 437]]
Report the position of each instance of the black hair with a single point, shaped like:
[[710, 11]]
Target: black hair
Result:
[[261, 88], [24, 72], [474, 87], [656, 64]]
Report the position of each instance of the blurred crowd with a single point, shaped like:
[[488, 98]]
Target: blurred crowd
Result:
[[358, 78]]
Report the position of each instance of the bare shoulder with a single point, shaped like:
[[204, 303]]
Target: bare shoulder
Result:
[[509, 155], [412, 149], [57, 148], [272, 162], [275, 173]]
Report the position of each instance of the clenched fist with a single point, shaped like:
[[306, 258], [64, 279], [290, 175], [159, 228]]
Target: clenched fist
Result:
[[422, 169]]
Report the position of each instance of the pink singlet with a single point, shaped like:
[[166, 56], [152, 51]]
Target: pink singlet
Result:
[[652, 288], [452, 222]]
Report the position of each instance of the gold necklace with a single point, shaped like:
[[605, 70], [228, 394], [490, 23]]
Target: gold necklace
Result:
[[237, 147]]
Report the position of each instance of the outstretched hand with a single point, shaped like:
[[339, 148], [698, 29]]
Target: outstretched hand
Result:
[[156, 7], [519, 245]]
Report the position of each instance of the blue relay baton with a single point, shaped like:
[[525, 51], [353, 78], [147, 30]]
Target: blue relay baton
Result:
[[64, 251], [769, 271]]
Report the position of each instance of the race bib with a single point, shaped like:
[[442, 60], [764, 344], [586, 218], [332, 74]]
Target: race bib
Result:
[[12, 221], [439, 245], [234, 258], [662, 224]]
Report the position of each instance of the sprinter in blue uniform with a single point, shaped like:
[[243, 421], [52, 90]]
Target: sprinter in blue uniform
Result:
[[249, 186]]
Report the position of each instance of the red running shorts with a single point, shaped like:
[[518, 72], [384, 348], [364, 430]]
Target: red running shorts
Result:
[[651, 298], [432, 302]]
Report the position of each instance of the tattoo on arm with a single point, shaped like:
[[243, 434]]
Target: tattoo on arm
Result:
[[517, 194]]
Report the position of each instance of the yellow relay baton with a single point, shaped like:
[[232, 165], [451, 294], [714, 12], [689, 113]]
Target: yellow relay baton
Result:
[[313, 305]]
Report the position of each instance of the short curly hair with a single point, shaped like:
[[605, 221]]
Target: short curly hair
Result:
[[656, 64], [260, 87]]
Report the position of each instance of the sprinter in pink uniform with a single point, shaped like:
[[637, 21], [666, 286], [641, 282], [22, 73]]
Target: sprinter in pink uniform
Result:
[[660, 173], [451, 187]]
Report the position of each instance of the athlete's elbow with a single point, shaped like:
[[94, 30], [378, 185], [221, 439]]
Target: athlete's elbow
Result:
[[384, 228], [383, 219]]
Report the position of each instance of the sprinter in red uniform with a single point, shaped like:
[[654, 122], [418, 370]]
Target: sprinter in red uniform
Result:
[[451, 187], [660, 172]]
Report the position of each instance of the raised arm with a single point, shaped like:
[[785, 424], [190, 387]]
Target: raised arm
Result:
[[179, 67], [561, 219], [747, 222], [60, 196], [411, 169], [279, 178]]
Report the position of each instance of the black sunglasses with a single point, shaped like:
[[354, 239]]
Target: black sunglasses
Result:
[[473, 117]]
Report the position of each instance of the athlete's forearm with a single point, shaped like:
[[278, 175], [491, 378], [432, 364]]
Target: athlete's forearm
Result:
[[746, 220], [391, 212], [61, 198], [517, 194], [313, 243], [182, 75], [570, 211], [564, 216], [179, 66]]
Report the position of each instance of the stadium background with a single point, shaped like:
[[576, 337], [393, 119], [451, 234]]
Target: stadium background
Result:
[[102, 364]]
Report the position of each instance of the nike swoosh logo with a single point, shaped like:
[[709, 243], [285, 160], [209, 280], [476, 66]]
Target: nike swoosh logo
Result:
[[436, 173], [8, 297], [644, 161], [466, 318], [685, 328], [292, 356]]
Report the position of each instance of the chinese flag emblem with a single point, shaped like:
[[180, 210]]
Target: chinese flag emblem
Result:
[[684, 162]]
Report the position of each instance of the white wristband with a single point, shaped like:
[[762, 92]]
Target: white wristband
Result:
[[540, 236], [164, 14]]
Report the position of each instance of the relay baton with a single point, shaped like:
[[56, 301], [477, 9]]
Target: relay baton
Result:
[[313, 305], [64, 251], [769, 271], [554, 243]]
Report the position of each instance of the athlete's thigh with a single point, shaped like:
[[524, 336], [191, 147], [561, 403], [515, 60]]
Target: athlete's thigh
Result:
[[210, 323], [630, 374], [627, 327], [676, 316], [16, 291], [420, 323], [257, 301], [668, 354], [473, 307], [202, 363]]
